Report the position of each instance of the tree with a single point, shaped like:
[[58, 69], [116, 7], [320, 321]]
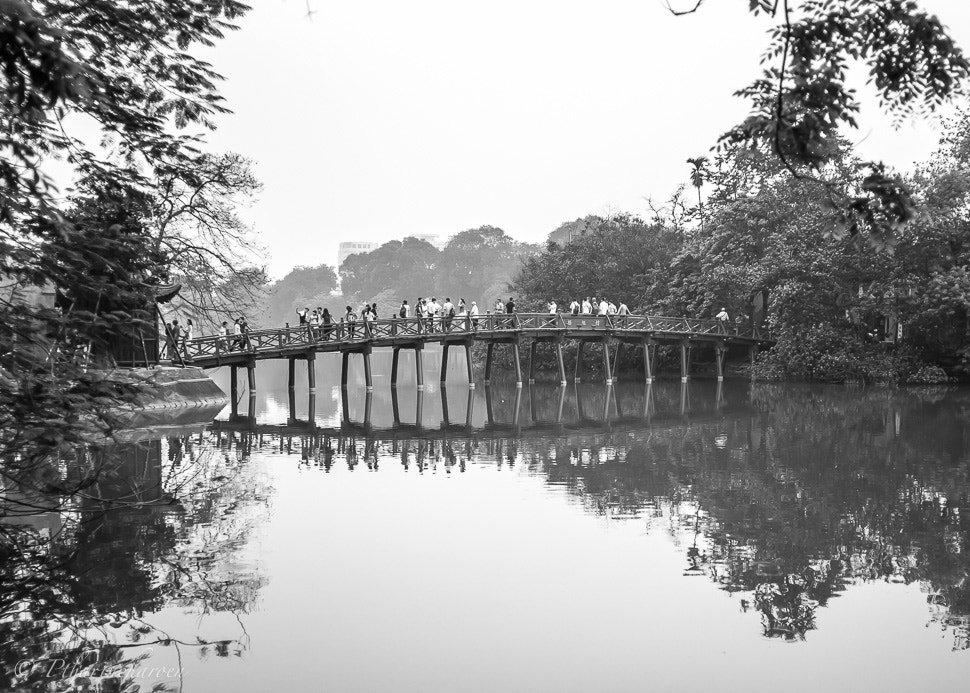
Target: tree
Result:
[[623, 258], [405, 267], [801, 100], [478, 265], [302, 287]]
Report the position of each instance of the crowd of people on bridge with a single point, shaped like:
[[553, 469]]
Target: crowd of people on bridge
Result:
[[432, 316]]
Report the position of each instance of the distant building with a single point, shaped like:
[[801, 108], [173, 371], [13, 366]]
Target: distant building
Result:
[[432, 238], [348, 248]]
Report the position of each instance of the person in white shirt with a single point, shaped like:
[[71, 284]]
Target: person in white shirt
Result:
[[574, 307], [473, 312], [552, 307], [587, 306], [604, 307], [611, 308], [447, 313], [723, 320]]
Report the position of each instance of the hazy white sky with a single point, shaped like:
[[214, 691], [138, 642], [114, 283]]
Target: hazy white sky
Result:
[[376, 119]]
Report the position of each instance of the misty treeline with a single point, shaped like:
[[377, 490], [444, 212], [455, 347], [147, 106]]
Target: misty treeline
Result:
[[476, 264]]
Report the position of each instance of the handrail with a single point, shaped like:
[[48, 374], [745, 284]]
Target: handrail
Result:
[[307, 337]]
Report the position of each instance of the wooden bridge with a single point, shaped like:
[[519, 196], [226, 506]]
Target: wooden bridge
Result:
[[515, 330]]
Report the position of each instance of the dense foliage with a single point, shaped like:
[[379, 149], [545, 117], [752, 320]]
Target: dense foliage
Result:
[[834, 304]]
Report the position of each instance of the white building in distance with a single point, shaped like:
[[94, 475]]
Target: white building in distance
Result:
[[348, 248]]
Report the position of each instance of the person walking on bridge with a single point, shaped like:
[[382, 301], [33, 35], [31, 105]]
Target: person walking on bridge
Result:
[[473, 312], [574, 307], [723, 320], [510, 306], [405, 310], [499, 306], [587, 306]]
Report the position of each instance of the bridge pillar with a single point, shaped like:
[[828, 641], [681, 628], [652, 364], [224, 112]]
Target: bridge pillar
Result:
[[251, 376], [419, 365], [419, 408], [311, 407], [368, 405], [469, 410], [616, 359], [395, 355], [649, 351], [445, 419], [311, 371], [685, 349], [579, 362], [368, 376], [468, 364], [532, 361], [234, 389], [753, 355], [291, 375], [395, 409], [719, 352], [444, 362], [344, 368], [518, 363], [607, 371], [562, 365], [488, 362]]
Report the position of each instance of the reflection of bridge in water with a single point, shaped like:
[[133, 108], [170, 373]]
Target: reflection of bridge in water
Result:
[[517, 329], [587, 412]]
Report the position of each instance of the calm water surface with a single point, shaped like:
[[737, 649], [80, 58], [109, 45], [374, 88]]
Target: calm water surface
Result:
[[749, 537]]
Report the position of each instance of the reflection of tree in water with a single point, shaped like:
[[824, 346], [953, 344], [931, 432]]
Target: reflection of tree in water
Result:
[[159, 525], [794, 503]]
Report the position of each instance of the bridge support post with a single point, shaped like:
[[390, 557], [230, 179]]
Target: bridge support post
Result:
[[490, 352], [311, 371], [648, 354], [719, 352], [518, 363], [234, 389], [419, 366], [395, 409], [469, 410], [251, 376], [577, 374], [468, 364], [607, 371], [532, 361], [684, 361], [395, 356], [419, 408], [344, 368], [444, 362], [562, 365], [291, 375], [617, 355], [445, 419], [368, 376], [753, 355]]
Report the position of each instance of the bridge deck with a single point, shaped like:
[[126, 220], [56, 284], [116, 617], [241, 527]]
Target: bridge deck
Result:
[[298, 342]]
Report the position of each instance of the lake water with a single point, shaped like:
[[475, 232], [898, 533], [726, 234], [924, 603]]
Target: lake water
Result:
[[756, 537]]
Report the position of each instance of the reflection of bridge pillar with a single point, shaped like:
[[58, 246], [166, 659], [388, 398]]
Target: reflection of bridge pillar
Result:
[[608, 372], [468, 364], [577, 374], [396, 411], [444, 405], [489, 415], [489, 353], [562, 365], [395, 355], [469, 410], [532, 361], [719, 352], [444, 362], [685, 352], [649, 352], [518, 363]]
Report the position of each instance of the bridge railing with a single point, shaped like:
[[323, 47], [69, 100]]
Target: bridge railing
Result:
[[307, 336]]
